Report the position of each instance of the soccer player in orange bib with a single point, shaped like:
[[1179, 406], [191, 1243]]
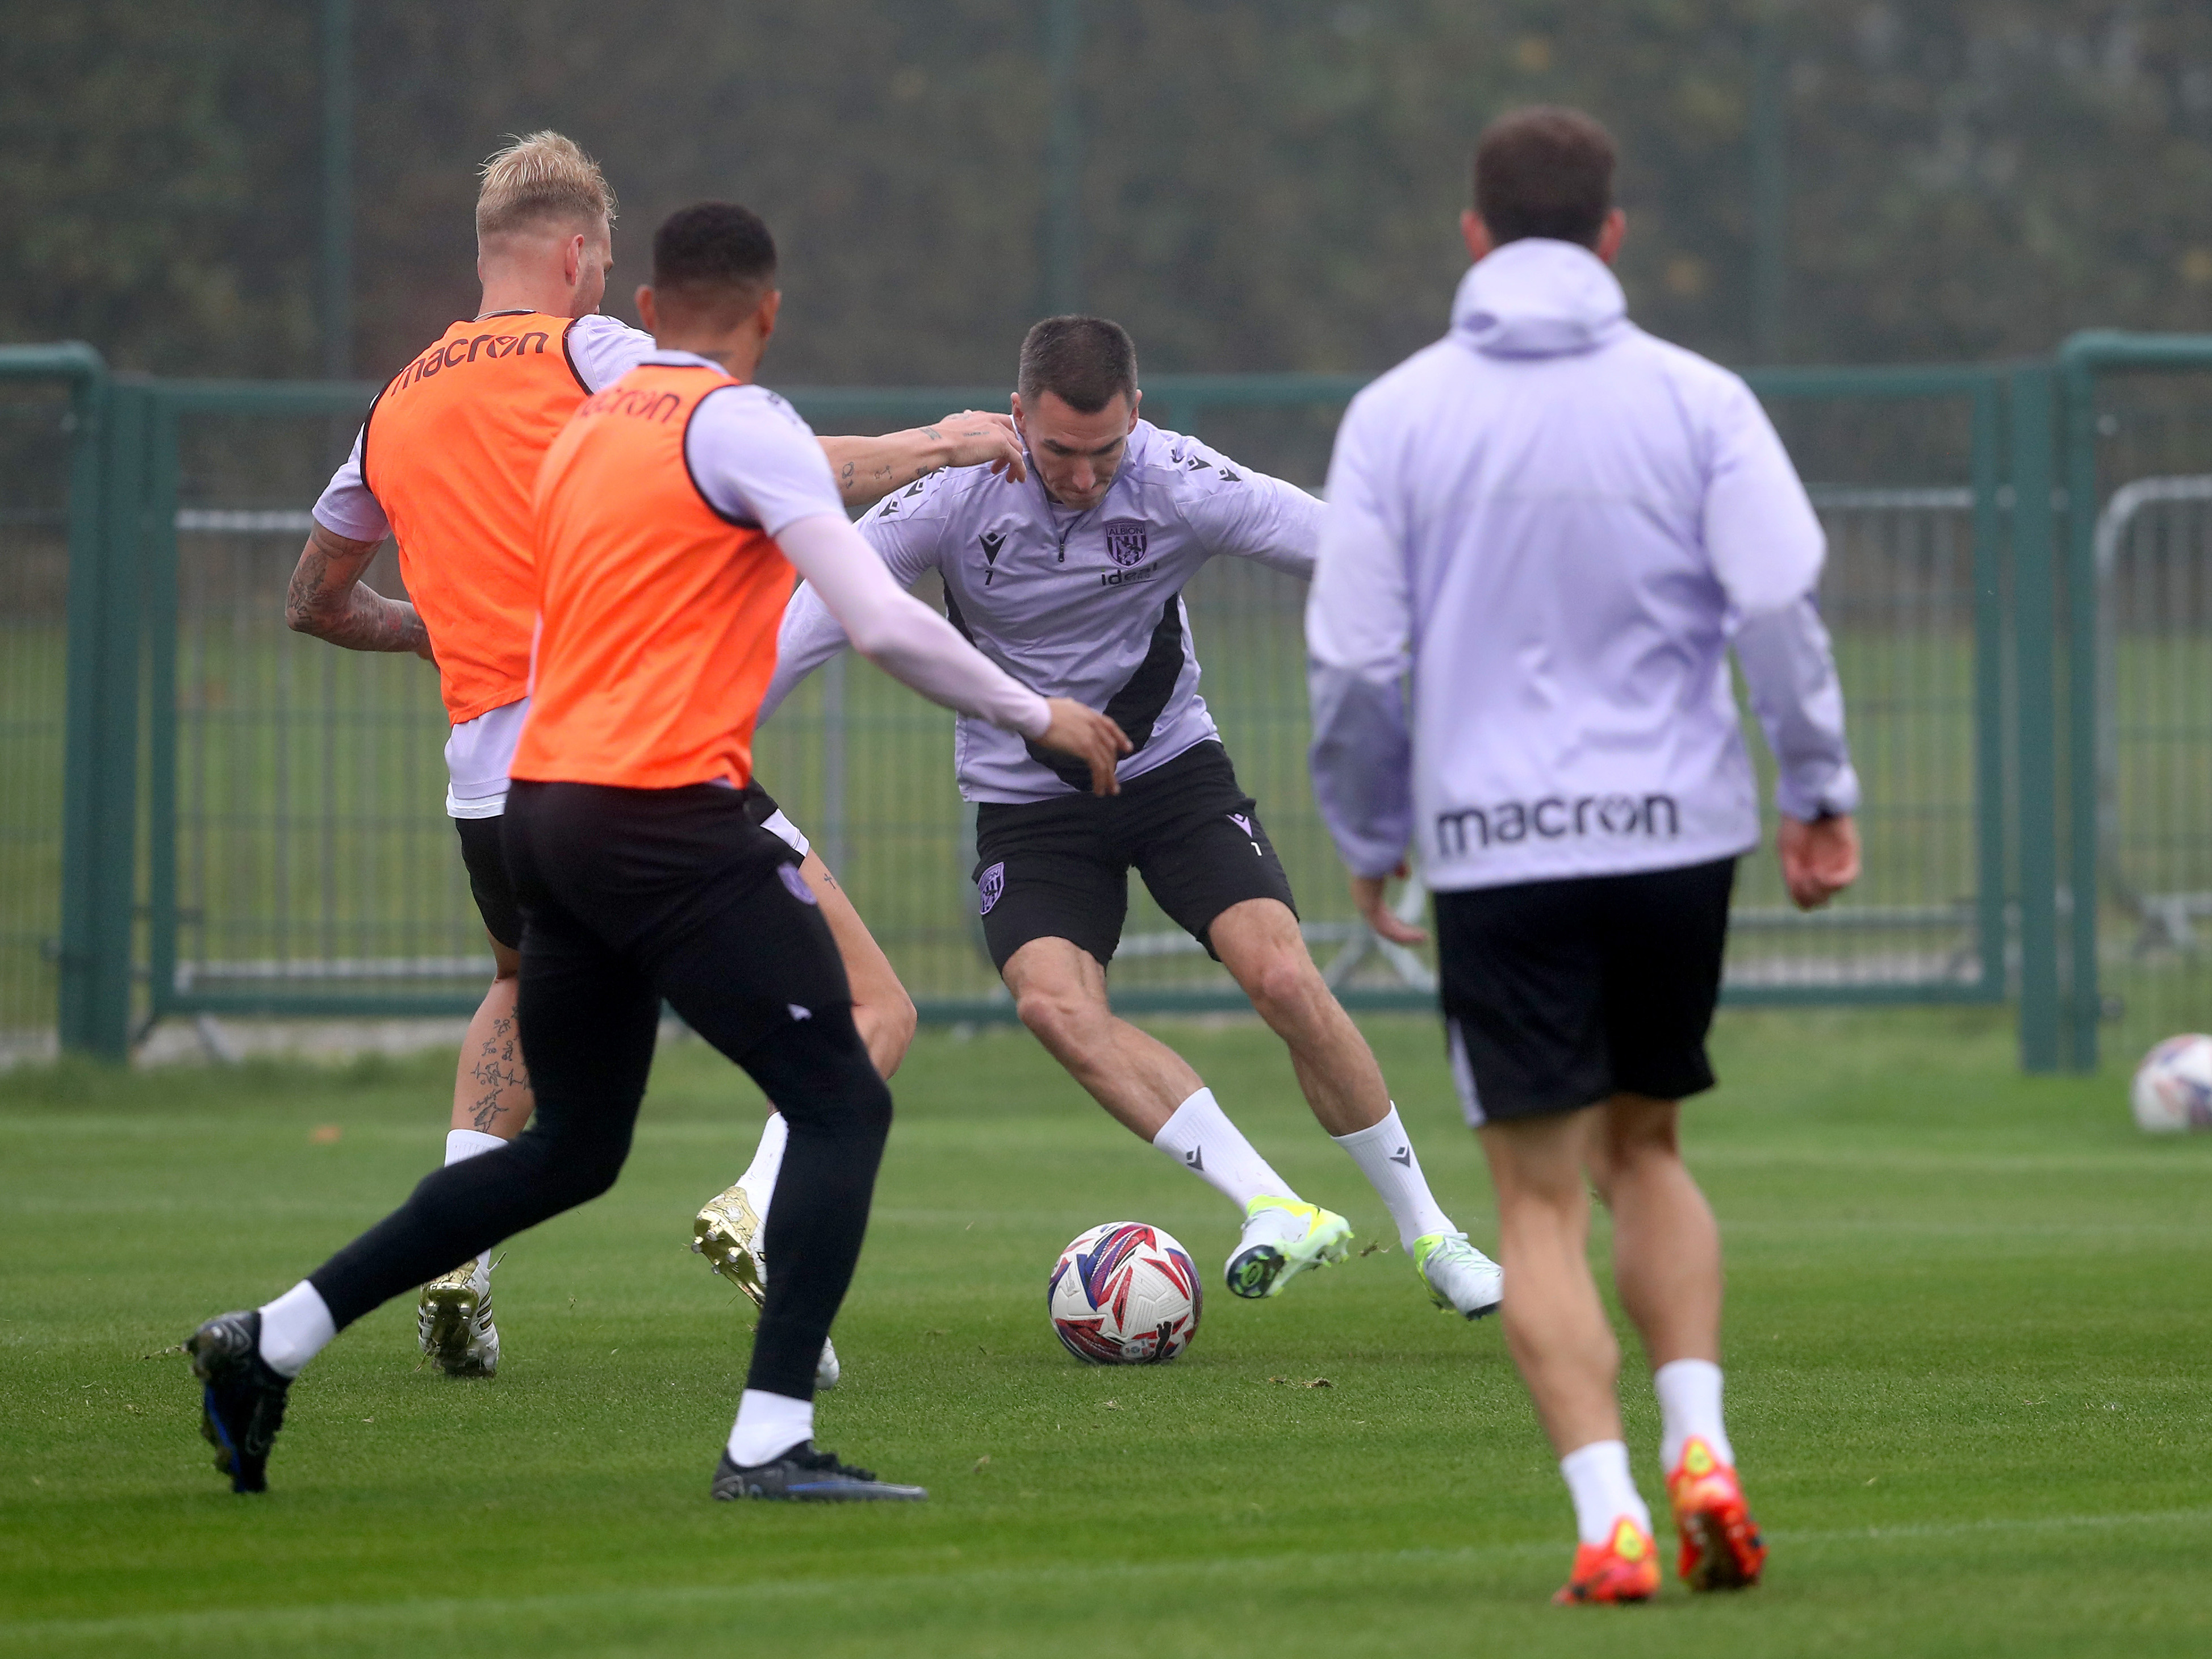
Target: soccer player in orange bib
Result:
[[445, 463], [669, 516]]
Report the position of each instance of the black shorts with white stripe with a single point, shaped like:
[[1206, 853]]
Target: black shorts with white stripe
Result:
[[1558, 994], [1060, 869]]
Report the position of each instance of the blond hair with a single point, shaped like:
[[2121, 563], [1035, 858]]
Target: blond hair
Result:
[[541, 176]]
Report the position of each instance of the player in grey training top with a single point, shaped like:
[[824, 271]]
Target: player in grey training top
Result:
[[1071, 580], [1556, 525]]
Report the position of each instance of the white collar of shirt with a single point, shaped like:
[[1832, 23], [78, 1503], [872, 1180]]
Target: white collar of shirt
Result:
[[660, 358]]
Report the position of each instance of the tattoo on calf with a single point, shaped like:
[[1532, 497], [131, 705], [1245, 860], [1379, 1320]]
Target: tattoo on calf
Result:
[[498, 1072]]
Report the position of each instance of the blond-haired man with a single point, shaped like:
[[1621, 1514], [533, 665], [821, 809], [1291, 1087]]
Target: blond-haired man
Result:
[[445, 463]]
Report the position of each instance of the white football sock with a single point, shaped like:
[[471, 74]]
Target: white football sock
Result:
[[759, 1178], [1385, 1155], [462, 1145], [295, 1329], [1690, 1404], [1599, 1481], [1201, 1137], [768, 1425]]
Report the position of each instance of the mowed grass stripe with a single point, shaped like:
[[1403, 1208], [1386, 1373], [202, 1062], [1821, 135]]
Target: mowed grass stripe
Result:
[[1964, 1360], [346, 1620]]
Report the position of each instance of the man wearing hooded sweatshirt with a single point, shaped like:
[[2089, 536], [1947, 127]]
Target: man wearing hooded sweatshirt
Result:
[[1557, 526]]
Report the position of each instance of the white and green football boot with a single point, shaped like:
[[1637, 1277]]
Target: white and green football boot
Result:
[[453, 1321], [728, 1232], [1459, 1276], [1283, 1237]]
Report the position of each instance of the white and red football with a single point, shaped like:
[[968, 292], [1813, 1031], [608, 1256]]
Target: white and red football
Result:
[[1124, 1294]]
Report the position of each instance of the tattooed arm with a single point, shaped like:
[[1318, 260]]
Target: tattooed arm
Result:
[[869, 469], [328, 600]]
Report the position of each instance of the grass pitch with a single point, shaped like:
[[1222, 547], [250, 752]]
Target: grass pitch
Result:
[[1968, 1334]]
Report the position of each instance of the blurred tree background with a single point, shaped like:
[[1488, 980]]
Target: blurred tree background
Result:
[[1264, 183]]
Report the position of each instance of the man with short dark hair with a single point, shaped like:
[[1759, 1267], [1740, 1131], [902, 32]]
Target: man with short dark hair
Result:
[[1558, 527], [445, 463], [1073, 579], [667, 518]]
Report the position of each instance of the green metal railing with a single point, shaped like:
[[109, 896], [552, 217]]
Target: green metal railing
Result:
[[65, 770], [293, 858], [2137, 595]]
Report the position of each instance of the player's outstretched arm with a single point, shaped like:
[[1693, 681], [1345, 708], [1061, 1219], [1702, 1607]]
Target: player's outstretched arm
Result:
[[328, 600], [915, 646], [869, 469]]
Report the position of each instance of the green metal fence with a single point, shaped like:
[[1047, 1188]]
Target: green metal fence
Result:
[[291, 855], [61, 885], [2138, 595]]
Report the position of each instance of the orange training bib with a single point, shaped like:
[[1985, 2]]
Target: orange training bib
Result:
[[657, 616], [451, 451]]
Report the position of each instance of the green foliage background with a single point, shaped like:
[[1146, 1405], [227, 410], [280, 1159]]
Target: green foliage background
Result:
[[1269, 184]]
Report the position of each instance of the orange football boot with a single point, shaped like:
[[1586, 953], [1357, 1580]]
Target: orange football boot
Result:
[[1625, 1568], [1721, 1546]]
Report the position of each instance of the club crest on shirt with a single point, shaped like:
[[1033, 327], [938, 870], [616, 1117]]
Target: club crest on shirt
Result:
[[1125, 541], [989, 887], [795, 884]]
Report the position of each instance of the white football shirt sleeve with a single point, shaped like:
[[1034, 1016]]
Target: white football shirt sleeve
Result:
[[346, 507], [603, 349], [755, 462], [810, 636], [1358, 646], [1251, 515], [898, 633]]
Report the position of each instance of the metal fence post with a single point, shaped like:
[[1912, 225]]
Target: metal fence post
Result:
[[159, 563], [100, 808], [2077, 388], [2033, 606], [1989, 686]]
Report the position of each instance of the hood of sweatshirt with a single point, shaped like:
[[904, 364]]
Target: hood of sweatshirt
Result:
[[1536, 298]]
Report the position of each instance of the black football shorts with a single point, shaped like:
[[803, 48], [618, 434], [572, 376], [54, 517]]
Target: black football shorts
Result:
[[484, 854], [1558, 994], [1060, 869]]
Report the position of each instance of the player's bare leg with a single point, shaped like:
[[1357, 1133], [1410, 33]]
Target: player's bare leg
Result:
[[1060, 994], [491, 1090], [1557, 1330], [728, 1230], [881, 1007], [1259, 942], [1666, 1262], [1555, 1324], [1666, 1245], [492, 1103]]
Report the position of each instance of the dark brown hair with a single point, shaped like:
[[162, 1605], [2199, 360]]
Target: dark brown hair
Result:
[[1544, 171], [1081, 361]]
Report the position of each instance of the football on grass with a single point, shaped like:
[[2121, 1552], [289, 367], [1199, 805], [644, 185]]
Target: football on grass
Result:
[[2174, 1086], [1124, 1294]]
